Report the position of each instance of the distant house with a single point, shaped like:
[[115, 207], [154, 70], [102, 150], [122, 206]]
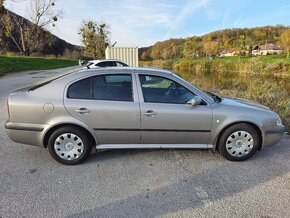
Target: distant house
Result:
[[229, 53], [267, 49]]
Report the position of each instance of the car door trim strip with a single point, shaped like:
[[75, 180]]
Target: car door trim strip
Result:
[[33, 129], [150, 130]]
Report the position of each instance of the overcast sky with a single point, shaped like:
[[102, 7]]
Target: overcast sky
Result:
[[144, 22]]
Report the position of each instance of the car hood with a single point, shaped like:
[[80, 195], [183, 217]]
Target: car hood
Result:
[[244, 102]]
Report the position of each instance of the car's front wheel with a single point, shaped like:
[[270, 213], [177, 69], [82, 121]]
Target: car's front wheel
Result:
[[68, 145], [239, 142]]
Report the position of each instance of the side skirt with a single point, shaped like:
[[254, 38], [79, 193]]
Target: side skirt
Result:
[[150, 146]]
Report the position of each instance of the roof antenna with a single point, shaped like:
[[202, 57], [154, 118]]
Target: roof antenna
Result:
[[86, 64]]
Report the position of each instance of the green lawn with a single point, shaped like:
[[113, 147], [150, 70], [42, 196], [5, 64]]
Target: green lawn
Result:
[[16, 64]]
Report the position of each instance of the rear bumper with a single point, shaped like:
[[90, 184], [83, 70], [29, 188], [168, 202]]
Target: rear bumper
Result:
[[23, 133], [273, 136]]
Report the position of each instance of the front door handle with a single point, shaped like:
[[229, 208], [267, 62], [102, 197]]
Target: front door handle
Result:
[[83, 110], [150, 113]]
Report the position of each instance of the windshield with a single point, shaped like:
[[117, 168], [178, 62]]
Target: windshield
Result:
[[205, 93]]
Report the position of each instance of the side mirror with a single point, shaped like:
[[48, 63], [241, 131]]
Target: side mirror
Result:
[[195, 101]]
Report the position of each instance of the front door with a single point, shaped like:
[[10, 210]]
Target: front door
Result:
[[106, 103], [167, 118]]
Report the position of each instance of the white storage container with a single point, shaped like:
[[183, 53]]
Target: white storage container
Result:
[[128, 55]]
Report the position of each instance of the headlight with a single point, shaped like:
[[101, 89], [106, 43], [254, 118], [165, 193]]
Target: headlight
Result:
[[279, 122]]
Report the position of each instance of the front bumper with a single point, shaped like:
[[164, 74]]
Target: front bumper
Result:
[[273, 135], [23, 133]]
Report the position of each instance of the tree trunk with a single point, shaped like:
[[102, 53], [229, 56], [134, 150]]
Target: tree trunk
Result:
[[12, 37], [23, 41]]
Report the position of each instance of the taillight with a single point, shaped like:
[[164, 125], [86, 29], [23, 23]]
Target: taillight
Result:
[[8, 109]]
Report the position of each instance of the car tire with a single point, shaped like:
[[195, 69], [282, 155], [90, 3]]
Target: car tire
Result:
[[69, 145], [239, 142]]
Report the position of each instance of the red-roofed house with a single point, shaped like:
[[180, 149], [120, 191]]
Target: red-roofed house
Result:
[[267, 49], [228, 53]]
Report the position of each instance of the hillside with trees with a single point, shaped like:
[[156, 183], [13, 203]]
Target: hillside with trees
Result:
[[19, 35], [241, 39]]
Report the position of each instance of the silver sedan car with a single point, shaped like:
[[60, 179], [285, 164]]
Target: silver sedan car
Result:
[[124, 108]]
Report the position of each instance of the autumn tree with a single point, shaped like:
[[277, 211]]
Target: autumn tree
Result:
[[192, 48], [242, 44], [145, 56], [285, 40], [259, 36], [210, 47], [225, 42], [95, 38]]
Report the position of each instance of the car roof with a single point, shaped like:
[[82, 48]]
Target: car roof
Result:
[[113, 70], [103, 60]]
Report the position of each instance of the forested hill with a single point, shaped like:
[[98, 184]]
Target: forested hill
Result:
[[212, 43], [37, 41]]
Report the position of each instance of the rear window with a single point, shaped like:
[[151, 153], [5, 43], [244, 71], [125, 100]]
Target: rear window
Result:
[[47, 82], [120, 64], [106, 64]]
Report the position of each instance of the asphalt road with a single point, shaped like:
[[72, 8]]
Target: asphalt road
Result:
[[138, 183]]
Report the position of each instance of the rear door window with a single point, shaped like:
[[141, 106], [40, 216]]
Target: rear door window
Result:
[[80, 89], [115, 87]]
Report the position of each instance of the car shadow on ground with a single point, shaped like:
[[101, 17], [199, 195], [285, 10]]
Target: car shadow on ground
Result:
[[108, 154], [196, 190]]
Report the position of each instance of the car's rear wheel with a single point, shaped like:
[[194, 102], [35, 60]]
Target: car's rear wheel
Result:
[[239, 142], [68, 145]]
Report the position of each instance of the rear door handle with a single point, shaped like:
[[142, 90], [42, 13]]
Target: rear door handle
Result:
[[83, 110], [150, 113]]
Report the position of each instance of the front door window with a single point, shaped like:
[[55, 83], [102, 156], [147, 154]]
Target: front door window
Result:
[[162, 90]]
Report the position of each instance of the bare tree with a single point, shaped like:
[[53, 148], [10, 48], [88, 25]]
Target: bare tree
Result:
[[29, 36], [16, 29], [42, 12]]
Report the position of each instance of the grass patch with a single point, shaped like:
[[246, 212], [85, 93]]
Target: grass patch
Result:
[[16, 64]]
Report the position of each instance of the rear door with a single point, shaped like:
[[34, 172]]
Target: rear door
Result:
[[107, 104], [167, 118]]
